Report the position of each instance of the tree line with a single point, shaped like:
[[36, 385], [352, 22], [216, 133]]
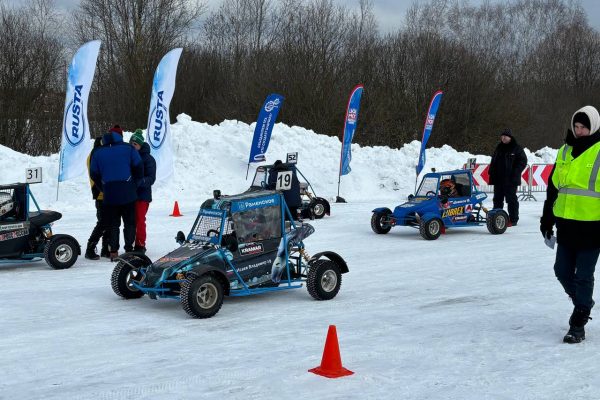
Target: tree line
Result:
[[525, 64]]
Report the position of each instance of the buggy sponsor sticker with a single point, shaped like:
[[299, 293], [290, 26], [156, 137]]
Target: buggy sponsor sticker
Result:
[[480, 196], [452, 212], [171, 259], [12, 227], [256, 265], [459, 218], [251, 248], [469, 208], [14, 234]]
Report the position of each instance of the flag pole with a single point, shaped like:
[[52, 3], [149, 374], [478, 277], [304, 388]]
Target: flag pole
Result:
[[247, 170], [339, 199]]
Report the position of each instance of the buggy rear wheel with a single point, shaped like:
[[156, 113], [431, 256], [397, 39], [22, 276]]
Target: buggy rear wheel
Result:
[[202, 297], [61, 252], [318, 208], [324, 280], [431, 229], [380, 222], [497, 222], [124, 275]]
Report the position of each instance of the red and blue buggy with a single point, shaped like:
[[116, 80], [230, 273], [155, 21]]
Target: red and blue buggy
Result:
[[443, 200]]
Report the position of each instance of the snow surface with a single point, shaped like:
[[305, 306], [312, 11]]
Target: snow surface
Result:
[[468, 316]]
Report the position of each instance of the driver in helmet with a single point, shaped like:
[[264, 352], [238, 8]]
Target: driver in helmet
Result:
[[6, 205], [448, 188]]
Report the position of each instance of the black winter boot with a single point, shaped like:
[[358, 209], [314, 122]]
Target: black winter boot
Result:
[[104, 250], [90, 251], [579, 318]]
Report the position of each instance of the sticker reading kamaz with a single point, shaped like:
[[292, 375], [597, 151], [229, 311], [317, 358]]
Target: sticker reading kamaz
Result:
[[251, 248]]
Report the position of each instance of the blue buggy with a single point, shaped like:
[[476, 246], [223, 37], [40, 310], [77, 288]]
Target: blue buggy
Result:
[[238, 246], [444, 200]]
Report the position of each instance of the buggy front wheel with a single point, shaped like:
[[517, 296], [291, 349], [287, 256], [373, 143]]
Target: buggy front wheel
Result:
[[125, 275], [61, 252], [380, 222], [318, 208], [202, 297], [324, 280], [497, 222], [431, 229]]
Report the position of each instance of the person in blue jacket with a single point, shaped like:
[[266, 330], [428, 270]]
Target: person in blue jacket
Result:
[[116, 168], [144, 191]]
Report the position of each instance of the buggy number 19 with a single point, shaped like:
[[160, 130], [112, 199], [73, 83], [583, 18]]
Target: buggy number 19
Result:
[[284, 180]]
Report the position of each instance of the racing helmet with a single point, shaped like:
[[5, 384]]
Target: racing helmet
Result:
[[448, 188], [6, 203]]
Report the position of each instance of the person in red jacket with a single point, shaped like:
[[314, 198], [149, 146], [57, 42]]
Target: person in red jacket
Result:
[[144, 190]]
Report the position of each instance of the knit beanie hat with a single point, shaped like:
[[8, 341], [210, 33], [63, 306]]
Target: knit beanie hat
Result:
[[506, 132], [137, 137], [583, 119], [117, 129]]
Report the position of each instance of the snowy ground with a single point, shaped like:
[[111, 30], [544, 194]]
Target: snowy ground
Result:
[[468, 316]]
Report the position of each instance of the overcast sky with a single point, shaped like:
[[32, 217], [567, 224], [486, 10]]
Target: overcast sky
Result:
[[390, 13]]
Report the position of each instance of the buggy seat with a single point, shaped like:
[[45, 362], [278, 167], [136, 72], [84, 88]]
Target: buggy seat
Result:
[[44, 217]]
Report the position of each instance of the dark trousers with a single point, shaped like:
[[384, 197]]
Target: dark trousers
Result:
[[510, 193], [113, 215], [575, 272], [99, 231]]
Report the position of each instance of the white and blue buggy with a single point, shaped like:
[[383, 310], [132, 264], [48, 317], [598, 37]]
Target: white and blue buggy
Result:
[[444, 200], [238, 246]]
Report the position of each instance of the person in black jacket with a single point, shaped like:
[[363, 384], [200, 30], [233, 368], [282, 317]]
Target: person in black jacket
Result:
[[508, 162], [573, 205], [291, 196], [144, 191], [99, 230], [115, 168]]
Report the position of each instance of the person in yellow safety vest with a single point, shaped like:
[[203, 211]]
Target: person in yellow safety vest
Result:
[[99, 231], [573, 204]]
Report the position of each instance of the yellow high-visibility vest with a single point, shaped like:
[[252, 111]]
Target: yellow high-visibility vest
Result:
[[578, 184]]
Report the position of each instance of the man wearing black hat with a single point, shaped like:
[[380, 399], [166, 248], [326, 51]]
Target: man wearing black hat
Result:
[[508, 162], [115, 168]]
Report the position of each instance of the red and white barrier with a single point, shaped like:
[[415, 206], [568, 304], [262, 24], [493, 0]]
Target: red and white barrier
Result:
[[534, 178]]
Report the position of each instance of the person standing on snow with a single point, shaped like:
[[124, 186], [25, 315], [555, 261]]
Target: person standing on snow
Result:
[[99, 231], [144, 190], [573, 204], [292, 196], [115, 168], [508, 162]]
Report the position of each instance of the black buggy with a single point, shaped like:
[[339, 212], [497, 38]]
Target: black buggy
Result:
[[27, 236], [312, 205], [240, 246]]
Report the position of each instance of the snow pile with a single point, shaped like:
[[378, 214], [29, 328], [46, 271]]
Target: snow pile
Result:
[[212, 157]]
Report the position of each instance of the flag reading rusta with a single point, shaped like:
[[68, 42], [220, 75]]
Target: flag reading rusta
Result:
[[349, 129], [433, 107], [158, 134], [264, 127], [76, 141]]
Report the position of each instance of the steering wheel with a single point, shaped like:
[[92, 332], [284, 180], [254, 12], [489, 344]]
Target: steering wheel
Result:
[[212, 233], [433, 194]]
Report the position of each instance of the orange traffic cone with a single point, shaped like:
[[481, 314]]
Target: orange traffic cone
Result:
[[331, 363], [176, 212]]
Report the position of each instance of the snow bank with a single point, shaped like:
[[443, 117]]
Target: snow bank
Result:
[[214, 157]]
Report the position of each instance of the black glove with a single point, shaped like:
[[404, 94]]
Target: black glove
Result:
[[546, 227]]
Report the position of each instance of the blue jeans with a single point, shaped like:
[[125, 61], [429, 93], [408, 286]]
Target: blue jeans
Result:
[[574, 269]]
